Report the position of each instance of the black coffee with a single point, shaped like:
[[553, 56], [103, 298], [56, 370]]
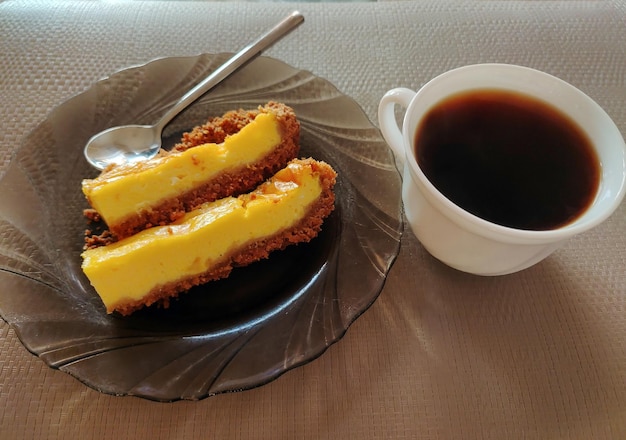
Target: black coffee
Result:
[[509, 159]]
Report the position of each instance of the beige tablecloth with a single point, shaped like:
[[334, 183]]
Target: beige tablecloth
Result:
[[539, 354]]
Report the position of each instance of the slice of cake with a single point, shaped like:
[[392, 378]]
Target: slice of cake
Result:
[[228, 156], [157, 264]]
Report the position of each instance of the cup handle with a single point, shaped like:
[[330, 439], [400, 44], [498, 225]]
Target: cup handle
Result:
[[387, 119]]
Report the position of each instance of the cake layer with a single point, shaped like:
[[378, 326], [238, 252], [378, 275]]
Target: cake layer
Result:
[[132, 197], [205, 244]]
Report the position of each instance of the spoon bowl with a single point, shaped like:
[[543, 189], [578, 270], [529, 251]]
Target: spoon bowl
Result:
[[136, 143], [124, 144]]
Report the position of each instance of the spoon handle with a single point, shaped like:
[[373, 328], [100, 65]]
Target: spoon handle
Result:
[[237, 61]]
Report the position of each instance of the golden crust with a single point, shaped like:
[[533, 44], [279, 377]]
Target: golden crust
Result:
[[305, 230], [230, 183]]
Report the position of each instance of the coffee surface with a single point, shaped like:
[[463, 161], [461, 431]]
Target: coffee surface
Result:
[[509, 159]]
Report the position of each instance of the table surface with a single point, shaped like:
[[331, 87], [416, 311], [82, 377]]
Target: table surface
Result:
[[440, 354]]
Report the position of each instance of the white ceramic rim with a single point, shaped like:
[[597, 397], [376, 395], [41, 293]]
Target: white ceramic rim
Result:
[[509, 77]]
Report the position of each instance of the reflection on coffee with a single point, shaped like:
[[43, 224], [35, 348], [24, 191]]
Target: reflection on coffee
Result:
[[509, 159]]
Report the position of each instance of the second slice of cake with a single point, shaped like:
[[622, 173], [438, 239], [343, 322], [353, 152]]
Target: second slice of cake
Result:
[[205, 244]]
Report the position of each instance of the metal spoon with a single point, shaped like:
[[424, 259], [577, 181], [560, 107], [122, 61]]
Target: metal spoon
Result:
[[134, 143]]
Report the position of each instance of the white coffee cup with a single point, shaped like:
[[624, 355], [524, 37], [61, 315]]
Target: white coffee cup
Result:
[[467, 242]]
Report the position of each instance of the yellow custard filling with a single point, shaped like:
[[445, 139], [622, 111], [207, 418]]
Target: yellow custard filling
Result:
[[130, 269], [129, 189]]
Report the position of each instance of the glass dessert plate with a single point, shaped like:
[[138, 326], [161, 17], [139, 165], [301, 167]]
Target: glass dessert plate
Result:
[[230, 335]]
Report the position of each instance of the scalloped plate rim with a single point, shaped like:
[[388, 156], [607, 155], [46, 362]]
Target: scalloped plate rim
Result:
[[310, 357]]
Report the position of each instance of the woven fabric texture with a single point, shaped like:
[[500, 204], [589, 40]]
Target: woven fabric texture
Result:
[[441, 354]]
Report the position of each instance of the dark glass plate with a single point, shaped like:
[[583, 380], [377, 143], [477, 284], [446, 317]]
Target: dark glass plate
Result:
[[229, 335]]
